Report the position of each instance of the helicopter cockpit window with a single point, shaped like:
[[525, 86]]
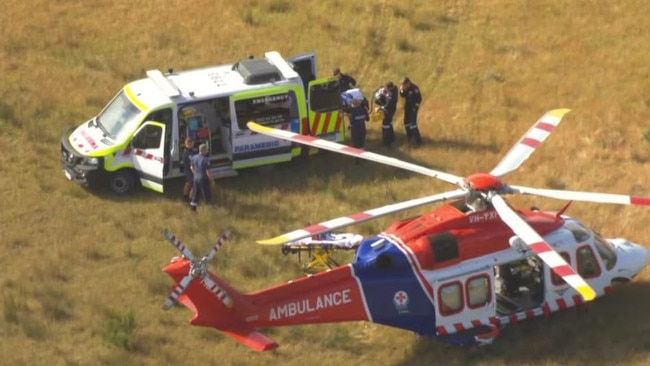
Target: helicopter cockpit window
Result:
[[450, 298], [606, 252], [580, 233]]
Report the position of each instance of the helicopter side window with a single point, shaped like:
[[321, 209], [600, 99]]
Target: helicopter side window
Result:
[[450, 298], [587, 264], [478, 291], [555, 279]]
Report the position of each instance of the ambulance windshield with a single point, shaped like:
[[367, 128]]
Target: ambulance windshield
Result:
[[119, 118]]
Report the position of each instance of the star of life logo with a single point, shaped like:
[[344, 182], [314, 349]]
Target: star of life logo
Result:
[[401, 301]]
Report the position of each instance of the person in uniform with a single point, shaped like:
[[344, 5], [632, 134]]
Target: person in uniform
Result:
[[188, 152], [386, 98], [200, 167], [412, 99], [358, 115], [346, 82]]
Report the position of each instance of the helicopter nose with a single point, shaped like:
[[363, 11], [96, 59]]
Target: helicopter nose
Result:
[[642, 257], [632, 257]]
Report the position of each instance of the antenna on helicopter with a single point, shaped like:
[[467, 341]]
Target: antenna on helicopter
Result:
[[198, 269]]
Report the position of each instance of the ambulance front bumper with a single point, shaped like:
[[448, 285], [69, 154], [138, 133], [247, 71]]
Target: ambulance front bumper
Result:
[[80, 169]]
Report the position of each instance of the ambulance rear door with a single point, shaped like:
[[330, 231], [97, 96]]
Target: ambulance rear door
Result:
[[325, 117], [148, 154], [274, 107], [305, 66]]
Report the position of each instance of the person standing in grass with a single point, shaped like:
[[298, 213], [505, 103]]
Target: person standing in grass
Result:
[[412, 99], [358, 116], [188, 152], [200, 167], [386, 98]]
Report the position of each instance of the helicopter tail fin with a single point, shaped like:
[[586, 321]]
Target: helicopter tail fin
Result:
[[215, 304]]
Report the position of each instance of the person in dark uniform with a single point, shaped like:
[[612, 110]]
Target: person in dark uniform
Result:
[[358, 115], [386, 98], [200, 167], [412, 99], [346, 82], [188, 152]]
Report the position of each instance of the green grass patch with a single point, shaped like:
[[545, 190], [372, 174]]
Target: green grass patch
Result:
[[120, 329]]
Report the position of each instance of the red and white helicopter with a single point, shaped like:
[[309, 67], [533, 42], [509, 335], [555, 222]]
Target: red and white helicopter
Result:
[[457, 273]]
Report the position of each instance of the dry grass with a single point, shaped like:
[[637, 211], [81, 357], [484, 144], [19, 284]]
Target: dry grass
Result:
[[81, 271]]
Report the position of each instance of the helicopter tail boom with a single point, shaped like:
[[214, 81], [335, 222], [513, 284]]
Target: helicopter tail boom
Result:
[[325, 297]]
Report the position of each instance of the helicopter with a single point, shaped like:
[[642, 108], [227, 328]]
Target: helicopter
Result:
[[457, 274]]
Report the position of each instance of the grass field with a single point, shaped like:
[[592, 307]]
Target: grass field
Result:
[[81, 271]]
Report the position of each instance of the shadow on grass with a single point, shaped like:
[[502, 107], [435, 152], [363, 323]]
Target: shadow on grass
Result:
[[611, 330]]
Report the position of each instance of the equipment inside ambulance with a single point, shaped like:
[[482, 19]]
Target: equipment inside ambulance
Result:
[[137, 139]]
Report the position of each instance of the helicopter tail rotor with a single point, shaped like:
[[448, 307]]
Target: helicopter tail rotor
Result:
[[178, 245], [198, 269]]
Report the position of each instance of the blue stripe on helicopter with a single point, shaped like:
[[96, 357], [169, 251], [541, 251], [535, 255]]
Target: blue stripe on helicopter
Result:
[[393, 294]]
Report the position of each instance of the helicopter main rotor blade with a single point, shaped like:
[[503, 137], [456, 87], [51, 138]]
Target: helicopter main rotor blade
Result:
[[543, 250], [217, 245], [529, 142], [583, 196], [359, 217], [352, 151], [178, 245], [177, 291]]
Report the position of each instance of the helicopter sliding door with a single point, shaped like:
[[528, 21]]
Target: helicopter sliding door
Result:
[[519, 285], [465, 298]]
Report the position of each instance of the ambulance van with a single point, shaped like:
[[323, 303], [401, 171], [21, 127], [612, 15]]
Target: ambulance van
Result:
[[137, 139]]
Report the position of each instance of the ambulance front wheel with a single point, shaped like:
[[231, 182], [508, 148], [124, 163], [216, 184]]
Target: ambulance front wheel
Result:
[[122, 182]]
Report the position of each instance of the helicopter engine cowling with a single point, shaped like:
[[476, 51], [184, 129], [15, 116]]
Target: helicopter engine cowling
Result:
[[378, 254]]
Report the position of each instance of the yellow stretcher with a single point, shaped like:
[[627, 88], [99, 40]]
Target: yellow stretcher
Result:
[[319, 250]]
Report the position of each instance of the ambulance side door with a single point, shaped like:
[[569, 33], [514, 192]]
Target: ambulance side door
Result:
[[274, 107], [148, 154], [324, 109]]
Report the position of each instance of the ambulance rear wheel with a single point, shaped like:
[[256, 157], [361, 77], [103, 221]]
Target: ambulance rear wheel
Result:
[[122, 182]]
